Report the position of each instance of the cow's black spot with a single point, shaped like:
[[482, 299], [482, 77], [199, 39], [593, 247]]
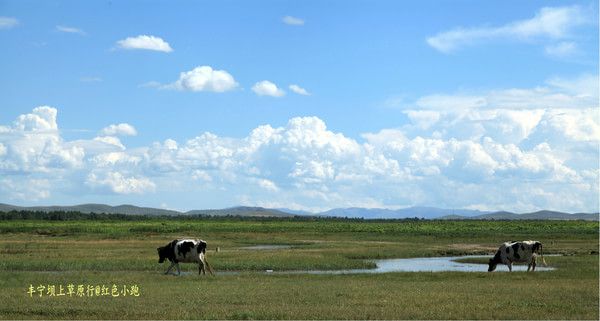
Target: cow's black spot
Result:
[[522, 247], [201, 247], [516, 246], [498, 257], [507, 249], [516, 250], [184, 248]]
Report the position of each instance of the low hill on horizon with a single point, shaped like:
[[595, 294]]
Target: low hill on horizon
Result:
[[93, 208], [409, 212], [539, 215], [353, 212], [242, 211], [136, 210]]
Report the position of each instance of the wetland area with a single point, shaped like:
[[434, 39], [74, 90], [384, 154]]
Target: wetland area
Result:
[[322, 269]]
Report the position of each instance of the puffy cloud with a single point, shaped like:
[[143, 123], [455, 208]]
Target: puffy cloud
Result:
[[267, 88], [112, 159], [200, 175], [33, 144], [582, 125], [309, 136], [122, 129], [110, 140], [548, 23], [299, 90], [119, 183], [204, 78], [293, 21], [42, 118], [267, 185], [562, 110], [144, 42], [8, 22], [70, 30], [483, 157], [423, 118]]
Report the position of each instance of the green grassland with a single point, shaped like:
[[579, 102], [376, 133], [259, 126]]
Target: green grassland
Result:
[[106, 252]]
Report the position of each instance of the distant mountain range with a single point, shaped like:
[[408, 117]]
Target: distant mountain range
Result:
[[92, 208], [539, 215], [135, 210], [353, 212], [242, 211], [409, 212]]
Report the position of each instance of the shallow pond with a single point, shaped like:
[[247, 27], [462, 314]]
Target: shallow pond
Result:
[[264, 247], [423, 264], [419, 264]]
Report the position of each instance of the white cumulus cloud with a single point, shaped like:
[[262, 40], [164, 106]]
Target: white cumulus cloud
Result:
[[144, 42], [122, 129], [267, 88], [299, 90], [204, 78], [110, 140], [495, 154], [267, 185], [33, 145], [119, 183]]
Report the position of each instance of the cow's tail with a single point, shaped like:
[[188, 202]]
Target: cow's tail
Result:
[[210, 270], [542, 254]]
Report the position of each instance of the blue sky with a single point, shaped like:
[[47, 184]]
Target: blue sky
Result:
[[488, 105]]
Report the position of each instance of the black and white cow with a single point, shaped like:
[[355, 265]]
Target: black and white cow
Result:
[[517, 252], [185, 251]]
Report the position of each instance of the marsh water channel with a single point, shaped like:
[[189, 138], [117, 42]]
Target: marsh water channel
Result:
[[423, 264]]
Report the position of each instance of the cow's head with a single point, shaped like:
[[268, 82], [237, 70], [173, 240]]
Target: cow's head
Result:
[[161, 254], [494, 262]]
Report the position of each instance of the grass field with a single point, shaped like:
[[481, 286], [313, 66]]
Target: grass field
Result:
[[124, 253]]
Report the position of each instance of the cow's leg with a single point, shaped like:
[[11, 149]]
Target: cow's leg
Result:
[[178, 269], [201, 264], [533, 264], [509, 266], [170, 267]]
